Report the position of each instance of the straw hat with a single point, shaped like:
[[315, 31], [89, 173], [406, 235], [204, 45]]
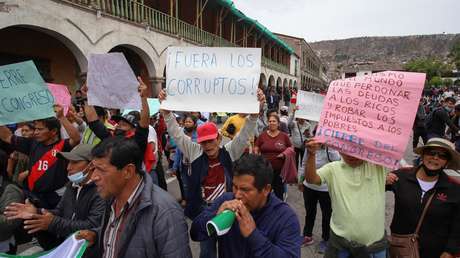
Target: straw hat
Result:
[[454, 162]]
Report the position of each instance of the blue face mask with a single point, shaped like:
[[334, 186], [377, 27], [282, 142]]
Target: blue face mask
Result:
[[78, 177]]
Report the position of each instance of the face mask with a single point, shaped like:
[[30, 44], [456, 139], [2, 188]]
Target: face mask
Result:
[[77, 178], [189, 129], [119, 132], [448, 109], [430, 172]]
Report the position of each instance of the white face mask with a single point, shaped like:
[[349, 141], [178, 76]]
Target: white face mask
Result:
[[78, 177]]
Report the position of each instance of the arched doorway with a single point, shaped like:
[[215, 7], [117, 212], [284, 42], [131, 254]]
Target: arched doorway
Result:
[[136, 59], [57, 59], [279, 85], [263, 82], [271, 81]]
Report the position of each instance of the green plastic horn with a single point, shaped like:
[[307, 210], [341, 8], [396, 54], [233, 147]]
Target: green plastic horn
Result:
[[221, 223]]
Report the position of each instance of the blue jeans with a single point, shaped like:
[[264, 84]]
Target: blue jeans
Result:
[[208, 248], [346, 254]]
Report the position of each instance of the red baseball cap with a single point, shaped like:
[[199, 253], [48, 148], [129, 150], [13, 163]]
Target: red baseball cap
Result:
[[206, 131]]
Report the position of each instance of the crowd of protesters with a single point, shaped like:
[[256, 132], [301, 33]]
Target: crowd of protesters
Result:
[[102, 173]]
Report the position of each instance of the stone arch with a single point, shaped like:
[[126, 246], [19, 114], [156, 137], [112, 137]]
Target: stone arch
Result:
[[271, 81], [149, 65], [141, 46], [58, 35], [290, 83], [285, 83], [263, 81], [56, 57], [279, 85]]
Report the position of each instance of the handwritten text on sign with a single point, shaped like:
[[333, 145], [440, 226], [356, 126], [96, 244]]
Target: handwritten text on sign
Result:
[[310, 105], [23, 94], [212, 79], [371, 117], [111, 82]]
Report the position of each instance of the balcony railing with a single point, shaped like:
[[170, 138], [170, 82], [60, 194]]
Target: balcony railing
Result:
[[274, 65], [142, 14]]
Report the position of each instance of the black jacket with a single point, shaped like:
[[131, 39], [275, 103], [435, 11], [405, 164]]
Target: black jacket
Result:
[[440, 231], [436, 123], [73, 214]]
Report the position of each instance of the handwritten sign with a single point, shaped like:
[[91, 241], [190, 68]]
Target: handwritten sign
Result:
[[212, 79], [23, 94], [154, 107], [371, 117], [61, 95], [310, 105], [111, 82]]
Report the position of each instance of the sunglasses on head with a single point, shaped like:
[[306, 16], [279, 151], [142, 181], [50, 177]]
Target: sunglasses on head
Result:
[[440, 154]]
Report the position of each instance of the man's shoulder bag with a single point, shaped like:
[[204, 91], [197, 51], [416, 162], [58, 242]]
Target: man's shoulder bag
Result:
[[406, 246]]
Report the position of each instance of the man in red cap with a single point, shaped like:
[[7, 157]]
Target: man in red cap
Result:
[[210, 173]]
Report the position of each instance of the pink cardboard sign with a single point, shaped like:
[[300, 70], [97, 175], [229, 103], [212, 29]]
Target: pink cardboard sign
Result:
[[371, 117], [61, 95]]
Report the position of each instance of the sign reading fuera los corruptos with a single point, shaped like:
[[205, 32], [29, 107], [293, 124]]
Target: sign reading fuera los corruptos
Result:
[[212, 79]]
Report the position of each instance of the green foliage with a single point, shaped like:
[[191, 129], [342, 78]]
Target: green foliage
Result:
[[457, 82], [432, 67], [436, 81], [448, 82], [455, 54]]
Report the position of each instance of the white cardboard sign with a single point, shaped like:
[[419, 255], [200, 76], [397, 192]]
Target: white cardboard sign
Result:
[[310, 105], [111, 82], [212, 79]]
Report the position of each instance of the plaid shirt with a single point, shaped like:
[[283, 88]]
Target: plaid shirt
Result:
[[116, 224]]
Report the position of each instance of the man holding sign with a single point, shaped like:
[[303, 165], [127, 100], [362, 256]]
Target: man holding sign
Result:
[[368, 120], [48, 174], [211, 165]]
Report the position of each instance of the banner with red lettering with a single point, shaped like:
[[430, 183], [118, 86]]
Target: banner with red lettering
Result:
[[371, 117]]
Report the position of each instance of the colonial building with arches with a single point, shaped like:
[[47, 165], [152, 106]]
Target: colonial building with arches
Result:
[[59, 36]]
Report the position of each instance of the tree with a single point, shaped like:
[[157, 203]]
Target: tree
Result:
[[457, 82], [436, 81], [455, 54], [448, 82], [431, 66]]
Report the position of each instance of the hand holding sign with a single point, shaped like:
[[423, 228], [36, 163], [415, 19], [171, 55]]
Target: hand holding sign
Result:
[[143, 89]]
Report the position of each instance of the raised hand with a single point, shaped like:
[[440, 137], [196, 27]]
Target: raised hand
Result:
[[143, 89]]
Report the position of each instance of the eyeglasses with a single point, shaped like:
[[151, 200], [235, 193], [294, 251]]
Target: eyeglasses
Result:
[[440, 154]]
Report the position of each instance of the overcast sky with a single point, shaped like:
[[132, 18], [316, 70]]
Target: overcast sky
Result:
[[317, 20]]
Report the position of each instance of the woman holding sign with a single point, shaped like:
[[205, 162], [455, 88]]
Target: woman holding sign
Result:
[[271, 144], [427, 203]]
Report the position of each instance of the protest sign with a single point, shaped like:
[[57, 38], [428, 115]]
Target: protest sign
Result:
[[154, 107], [61, 95], [111, 82], [212, 79], [70, 248], [23, 94], [310, 105], [371, 117]]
